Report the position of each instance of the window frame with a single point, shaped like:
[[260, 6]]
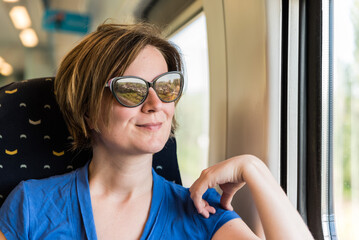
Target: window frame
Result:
[[315, 196]]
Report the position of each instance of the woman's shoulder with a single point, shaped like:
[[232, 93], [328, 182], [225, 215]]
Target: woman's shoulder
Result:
[[177, 194], [47, 185], [36, 206], [193, 225], [37, 191], [183, 193]]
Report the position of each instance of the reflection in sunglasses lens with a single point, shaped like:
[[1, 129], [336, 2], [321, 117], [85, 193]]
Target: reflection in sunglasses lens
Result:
[[168, 87], [130, 93]]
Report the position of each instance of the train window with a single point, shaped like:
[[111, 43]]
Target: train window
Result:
[[193, 118], [346, 118]]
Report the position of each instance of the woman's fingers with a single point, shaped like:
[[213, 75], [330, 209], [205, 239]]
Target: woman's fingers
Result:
[[227, 175], [207, 210], [204, 208], [197, 190]]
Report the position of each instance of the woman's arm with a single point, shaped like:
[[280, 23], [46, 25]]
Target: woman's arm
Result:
[[279, 218]]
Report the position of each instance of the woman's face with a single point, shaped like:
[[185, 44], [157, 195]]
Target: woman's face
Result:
[[143, 129]]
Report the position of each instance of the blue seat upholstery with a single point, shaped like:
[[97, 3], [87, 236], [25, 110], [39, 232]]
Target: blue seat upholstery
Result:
[[35, 142]]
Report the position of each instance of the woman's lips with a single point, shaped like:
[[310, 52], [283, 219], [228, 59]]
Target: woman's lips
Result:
[[150, 126]]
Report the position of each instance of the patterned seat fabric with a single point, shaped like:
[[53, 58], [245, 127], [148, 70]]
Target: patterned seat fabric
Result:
[[34, 139]]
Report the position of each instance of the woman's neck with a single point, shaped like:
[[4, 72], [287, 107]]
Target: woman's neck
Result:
[[121, 194], [121, 177]]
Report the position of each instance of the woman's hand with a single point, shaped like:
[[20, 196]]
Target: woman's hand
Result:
[[228, 175], [280, 220]]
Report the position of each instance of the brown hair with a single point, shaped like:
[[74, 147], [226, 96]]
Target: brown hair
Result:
[[102, 55]]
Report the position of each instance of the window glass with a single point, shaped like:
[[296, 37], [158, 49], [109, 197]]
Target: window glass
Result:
[[346, 118], [192, 111]]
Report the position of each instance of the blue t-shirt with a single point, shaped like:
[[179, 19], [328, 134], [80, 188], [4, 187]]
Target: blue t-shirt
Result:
[[60, 208]]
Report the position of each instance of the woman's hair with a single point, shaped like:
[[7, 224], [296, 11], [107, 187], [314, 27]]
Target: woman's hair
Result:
[[102, 55]]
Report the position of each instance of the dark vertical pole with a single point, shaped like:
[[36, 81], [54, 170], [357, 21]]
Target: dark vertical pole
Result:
[[313, 138], [302, 115], [284, 97]]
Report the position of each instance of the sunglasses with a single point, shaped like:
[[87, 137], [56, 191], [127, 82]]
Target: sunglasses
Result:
[[132, 91]]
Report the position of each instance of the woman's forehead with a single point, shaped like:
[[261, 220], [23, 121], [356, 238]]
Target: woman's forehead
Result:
[[148, 64]]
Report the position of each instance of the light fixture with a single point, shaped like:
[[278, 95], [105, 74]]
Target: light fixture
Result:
[[6, 69], [28, 37], [11, 1], [20, 17]]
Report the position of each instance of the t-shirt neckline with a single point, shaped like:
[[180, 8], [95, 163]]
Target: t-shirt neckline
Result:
[[156, 217]]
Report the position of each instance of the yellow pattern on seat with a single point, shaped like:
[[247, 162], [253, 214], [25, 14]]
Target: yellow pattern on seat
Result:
[[11, 91], [11, 152], [58, 154]]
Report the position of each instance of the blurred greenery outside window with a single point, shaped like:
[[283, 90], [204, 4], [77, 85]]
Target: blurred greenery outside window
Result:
[[346, 118], [192, 111]]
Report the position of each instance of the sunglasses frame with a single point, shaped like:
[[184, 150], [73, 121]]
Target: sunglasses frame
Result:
[[110, 83]]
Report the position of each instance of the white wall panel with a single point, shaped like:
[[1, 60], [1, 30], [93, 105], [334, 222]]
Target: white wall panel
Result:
[[239, 89]]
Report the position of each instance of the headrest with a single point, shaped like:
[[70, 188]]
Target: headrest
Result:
[[35, 142]]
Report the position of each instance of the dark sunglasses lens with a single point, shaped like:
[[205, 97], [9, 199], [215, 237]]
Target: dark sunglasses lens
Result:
[[168, 87], [130, 91]]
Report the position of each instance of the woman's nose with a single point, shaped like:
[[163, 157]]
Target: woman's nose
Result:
[[152, 102]]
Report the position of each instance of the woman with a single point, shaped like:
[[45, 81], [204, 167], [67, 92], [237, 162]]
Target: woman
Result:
[[117, 90]]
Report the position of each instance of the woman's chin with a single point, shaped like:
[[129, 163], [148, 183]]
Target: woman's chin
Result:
[[153, 146]]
